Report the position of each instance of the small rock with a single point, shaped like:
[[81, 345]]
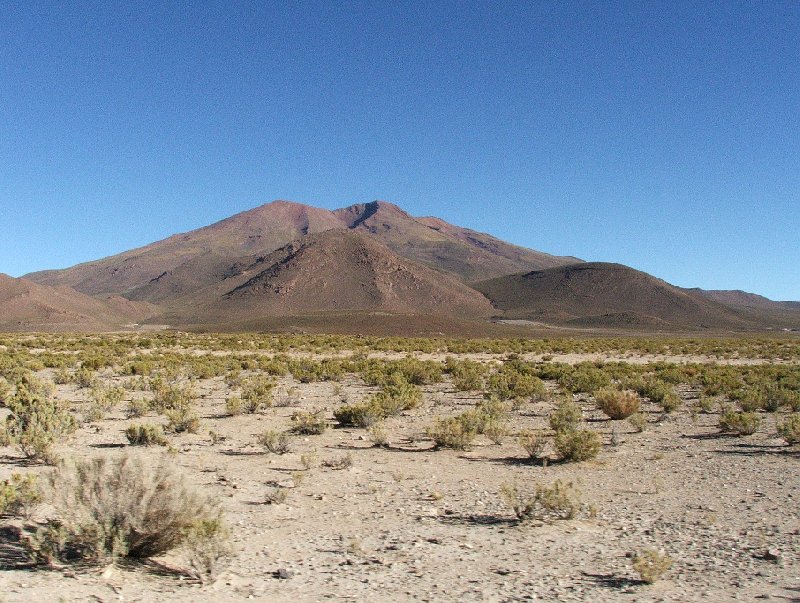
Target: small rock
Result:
[[282, 573]]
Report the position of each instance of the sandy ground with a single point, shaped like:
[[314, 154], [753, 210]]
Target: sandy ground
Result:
[[412, 523]]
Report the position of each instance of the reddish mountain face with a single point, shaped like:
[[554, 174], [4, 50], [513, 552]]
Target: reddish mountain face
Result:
[[28, 306], [606, 295], [183, 263], [335, 271], [286, 259]]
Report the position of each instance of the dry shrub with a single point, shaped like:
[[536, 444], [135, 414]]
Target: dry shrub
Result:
[[379, 435], [651, 565], [343, 462], [451, 432], [638, 422], [741, 423], [546, 503], [533, 444], [37, 421], [789, 429], [566, 415], [617, 404], [19, 494], [575, 445], [308, 423], [275, 442], [103, 509], [146, 435]]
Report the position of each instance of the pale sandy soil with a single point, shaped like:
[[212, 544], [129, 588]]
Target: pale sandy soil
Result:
[[413, 523]]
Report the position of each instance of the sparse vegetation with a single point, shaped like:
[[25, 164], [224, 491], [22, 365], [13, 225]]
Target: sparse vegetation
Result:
[[276, 442], [789, 429], [576, 445], [308, 423], [19, 494], [651, 565], [741, 423], [617, 404], [529, 408], [37, 421], [451, 432], [557, 501], [146, 435], [103, 509]]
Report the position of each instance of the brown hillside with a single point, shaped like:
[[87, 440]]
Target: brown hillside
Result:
[[781, 314], [182, 264], [28, 306], [466, 253], [605, 295], [185, 262], [335, 271]]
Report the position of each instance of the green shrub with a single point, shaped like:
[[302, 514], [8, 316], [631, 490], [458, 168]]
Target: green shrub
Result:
[[617, 404], [741, 423], [789, 429], [172, 396], [146, 435], [395, 396], [661, 394], [257, 393], [451, 432], [103, 509], [638, 422], [106, 398], [137, 408], [566, 415], [585, 378], [575, 445], [510, 384], [234, 406], [467, 374], [20, 494], [361, 414], [181, 420], [36, 422]]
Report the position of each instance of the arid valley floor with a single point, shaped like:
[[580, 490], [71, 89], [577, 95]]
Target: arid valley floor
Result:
[[386, 514]]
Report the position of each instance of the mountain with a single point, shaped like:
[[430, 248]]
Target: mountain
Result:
[[782, 314], [369, 268], [334, 271], [189, 262], [185, 262], [466, 253], [594, 294], [28, 306]]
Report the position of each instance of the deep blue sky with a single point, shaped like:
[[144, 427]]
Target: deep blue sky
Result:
[[663, 135]]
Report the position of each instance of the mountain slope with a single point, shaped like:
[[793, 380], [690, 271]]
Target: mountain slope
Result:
[[25, 305], [334, 271], [176, 266], [466, 253], [184, 262], [601, 294], [782, 314]]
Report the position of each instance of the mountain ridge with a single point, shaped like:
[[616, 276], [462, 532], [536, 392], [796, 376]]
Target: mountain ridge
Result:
[[282, 259]]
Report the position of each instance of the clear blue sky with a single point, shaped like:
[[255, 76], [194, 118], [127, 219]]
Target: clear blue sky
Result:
[[664, 135]]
